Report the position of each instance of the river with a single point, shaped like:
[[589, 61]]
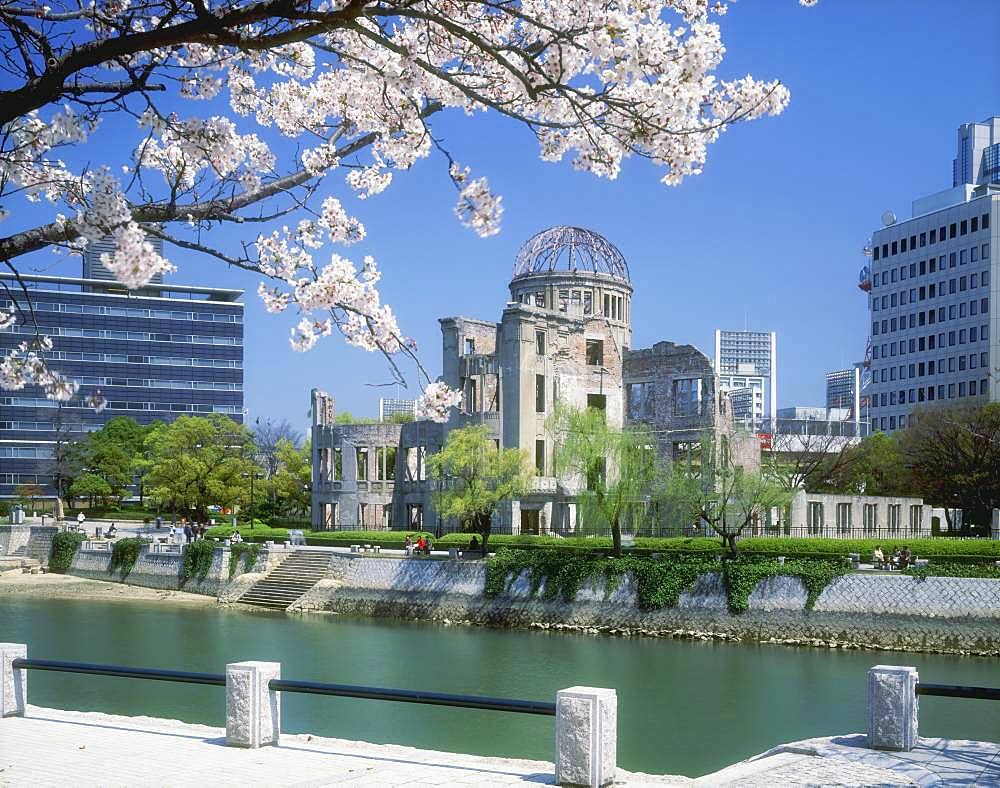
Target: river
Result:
[[684, 707]]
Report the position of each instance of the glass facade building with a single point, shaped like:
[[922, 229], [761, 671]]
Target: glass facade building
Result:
[[153, 355], [747, 360]]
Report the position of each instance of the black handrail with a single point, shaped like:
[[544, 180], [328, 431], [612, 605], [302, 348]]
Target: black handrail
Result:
[[288, 685], [414, 696], [154, 674], [955, 691]]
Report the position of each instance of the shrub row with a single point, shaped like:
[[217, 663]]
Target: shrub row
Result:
[[391, 540], [955, 569]]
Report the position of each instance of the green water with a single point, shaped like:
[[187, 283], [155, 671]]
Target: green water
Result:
[[684, 707]]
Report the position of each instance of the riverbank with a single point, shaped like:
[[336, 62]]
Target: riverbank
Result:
[[55, 586]]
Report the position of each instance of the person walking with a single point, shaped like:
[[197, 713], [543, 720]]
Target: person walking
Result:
[[188, 533]]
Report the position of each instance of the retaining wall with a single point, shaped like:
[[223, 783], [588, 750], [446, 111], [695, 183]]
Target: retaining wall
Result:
[[878, 611], [29, 541], [159, 570]]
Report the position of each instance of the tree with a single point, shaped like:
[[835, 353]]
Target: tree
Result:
[[807, 461], [618, 467], [872, 467], [29, 492], [954, 456], [347, 87], [92, 487], [67, 454], [474, 476], [721, 493], [267, 435], [200, 461], [292, 482], [115, 453]]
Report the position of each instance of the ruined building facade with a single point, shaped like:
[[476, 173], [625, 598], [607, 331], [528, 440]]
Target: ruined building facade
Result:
[[564, 336]]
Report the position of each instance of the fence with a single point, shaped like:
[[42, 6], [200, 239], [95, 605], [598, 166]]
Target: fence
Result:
[[586, 717]]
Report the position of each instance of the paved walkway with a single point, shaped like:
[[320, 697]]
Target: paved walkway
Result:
[[58, 748]]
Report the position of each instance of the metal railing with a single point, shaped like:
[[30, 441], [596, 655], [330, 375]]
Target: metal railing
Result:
[[958, 691], [291, 685]]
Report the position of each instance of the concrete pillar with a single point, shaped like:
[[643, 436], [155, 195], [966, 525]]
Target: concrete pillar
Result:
[[253, 712], [586, 736], [13, 683], [892, 708]]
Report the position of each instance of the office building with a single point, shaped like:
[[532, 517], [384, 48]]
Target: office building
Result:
[[931, 288], [153, 354], [748, 360]]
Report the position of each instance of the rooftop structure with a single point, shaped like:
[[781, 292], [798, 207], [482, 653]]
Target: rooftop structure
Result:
[[570, 249], [748, 360]]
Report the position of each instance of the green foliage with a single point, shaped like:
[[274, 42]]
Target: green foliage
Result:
[[955, 569], [101, 513], [195, 462], [742, 574], [92, 486], [392, 540], [400, 418], [720, 492], [346, 417], [923, 548], [292, 482], [64, 547], [659, 581], [4, 509], [873, 467], [236, 551], [197, 560], [620, 467], [475, 476], [124, 554], [593, 543]]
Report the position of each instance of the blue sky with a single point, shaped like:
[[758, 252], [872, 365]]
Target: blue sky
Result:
[[769, 236]]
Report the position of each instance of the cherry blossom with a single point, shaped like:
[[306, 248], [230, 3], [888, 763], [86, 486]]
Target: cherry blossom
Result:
[[342, 88], [436, 401]]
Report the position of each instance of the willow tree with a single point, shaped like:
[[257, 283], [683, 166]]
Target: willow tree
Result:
[[168, 119], [717, 490], [474, 476], [618, 466]]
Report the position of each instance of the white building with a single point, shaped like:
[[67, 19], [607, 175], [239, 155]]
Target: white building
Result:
[[748, 360], [931, 283]]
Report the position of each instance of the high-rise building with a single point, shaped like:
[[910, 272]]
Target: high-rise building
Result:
[[843, 390], [935, 338], [389, 407], [153, 355], [748, 360]]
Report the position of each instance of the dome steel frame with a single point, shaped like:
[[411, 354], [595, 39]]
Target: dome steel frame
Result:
[[570, 249]]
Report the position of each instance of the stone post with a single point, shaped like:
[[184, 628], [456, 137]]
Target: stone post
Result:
[[892, 708], [586, 736], [253, 711], [13, 683]]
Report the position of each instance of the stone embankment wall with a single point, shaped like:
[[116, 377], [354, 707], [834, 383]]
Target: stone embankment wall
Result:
[[28, 541], [877, 611], [161, 570]]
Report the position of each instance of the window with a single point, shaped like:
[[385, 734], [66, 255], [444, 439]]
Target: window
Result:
[[687, 397], [563, 300], [843, 517], [540, 298], [870, 514], [597, 402], [933, 236], [470, 346], [952, 230], [595, 352], [639, 401], [338, 465], [539, 457], [688, 456], [814, 514], [923, 239], [974, 224], [588, 302], [540, 343], [894, 512], [361, 455], [539, 393], [964, 228], [415, 515]]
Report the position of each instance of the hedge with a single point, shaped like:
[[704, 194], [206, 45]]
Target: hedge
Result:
[[387, 539], [924, 548], [595, 543], [952, 569]]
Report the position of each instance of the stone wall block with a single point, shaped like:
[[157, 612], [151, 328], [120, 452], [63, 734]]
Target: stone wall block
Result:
[[13, 683], [253, 711], [586, 736], [892, 708]]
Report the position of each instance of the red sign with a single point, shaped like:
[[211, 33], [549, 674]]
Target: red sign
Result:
[[765, 440]]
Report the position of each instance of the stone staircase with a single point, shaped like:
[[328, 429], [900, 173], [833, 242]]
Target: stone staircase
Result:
[[289, 580]]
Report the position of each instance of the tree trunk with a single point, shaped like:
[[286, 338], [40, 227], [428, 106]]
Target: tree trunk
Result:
[[485, 527], [616, 538], [730, 541]]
